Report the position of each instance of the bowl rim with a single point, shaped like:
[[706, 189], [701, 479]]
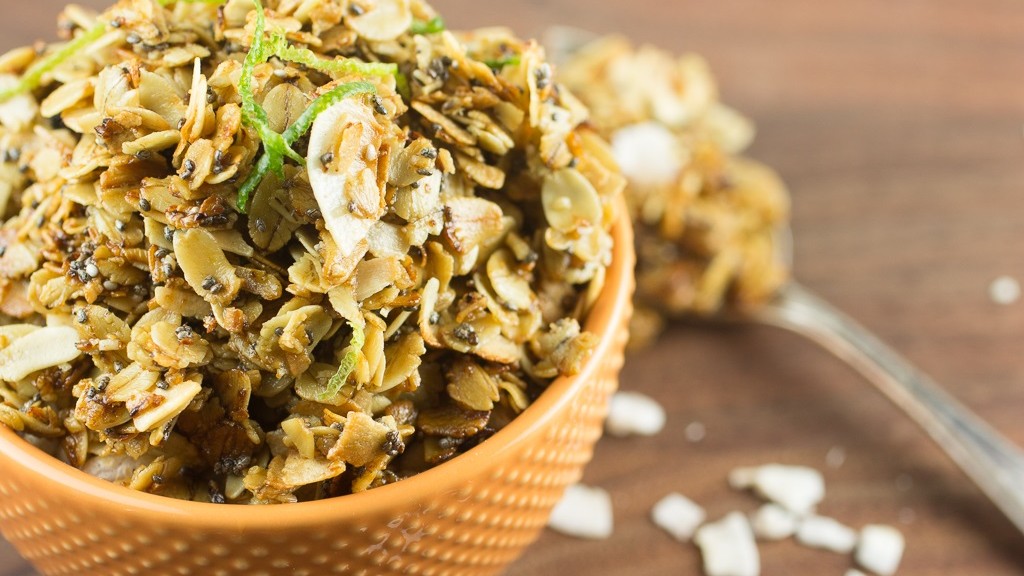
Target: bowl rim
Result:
[[605, 319]]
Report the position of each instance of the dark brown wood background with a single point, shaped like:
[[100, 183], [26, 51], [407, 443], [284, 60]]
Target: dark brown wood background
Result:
[[898, 126]]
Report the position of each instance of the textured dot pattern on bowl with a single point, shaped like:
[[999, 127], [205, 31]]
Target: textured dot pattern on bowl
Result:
[[473, 515]]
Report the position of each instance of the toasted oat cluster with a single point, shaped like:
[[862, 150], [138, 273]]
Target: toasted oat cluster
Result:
[[707, 219], [260, 254]]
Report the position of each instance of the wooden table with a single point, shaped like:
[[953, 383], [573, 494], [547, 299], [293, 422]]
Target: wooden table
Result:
[[898, 128]]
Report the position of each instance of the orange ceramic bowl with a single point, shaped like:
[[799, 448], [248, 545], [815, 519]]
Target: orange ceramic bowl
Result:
[[473, 515]]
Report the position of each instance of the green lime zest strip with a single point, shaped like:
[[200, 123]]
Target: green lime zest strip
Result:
[[34, 75], [274, 146], [499, 63], [350, 355], [328, 99], [280, 47], [278, 146], [268, 162], [254, 114], [432, 26]]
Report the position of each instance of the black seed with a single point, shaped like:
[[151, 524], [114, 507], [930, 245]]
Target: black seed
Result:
[[144, 205], [184, 332], [425, 172], [378, 106], [163, 385], [189, 169], [81, 316], [133, 38], [326, 158], [279, 332], [210, 284], [467, 334], [356, 10], [393, 445], [429, 153], [218, 162], [261, 225]]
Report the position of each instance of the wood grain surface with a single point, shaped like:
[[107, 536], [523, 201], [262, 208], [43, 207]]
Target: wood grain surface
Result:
[[898, 126]]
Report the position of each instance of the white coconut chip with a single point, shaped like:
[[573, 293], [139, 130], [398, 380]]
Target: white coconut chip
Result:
[[827, 534], [743, 478], [648, 153], [880, 549], [633, 413], [728, 547], [1004, 290], [773, 522], [796, 488], [854, 572], [583, 512], [678, 515]]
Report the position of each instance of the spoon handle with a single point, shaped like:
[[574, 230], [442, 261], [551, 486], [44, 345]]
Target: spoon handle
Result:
[[994, 463]]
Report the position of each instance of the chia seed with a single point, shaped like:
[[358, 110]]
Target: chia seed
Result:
[[467, 334], [211, 285]]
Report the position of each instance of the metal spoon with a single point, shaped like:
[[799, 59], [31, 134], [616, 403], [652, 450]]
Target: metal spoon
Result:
[[994, 463]]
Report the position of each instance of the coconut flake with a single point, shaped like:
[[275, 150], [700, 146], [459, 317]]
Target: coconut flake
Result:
[[773, 522], [742, 478], [583, 512], [1004, 290], [880, 549], [728, 547], [797, 488], [678, 515], [39, 349], [351, 201], [826, 533], [647, 153], [632, 413]]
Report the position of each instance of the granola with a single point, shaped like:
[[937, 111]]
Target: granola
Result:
[[260, 254], [708, 220]]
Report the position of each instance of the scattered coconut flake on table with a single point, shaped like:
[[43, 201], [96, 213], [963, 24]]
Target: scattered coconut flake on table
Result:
[[854, 572], [1004, 290], [647, 153], [773, 522], [678, 515], [880, 549], [835, 457], [695, 432], [797, 488], [633, 413], [583, 512], [742, 478], [728, 547], [826, 533]]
